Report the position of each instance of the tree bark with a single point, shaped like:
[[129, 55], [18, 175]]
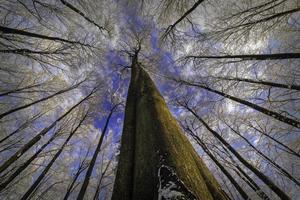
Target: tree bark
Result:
[[22, 126], [155, 152], [243, 175], [98, 190], [288, 149], [19, 89]]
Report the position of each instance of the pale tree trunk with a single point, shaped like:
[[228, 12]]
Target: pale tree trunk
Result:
[[156, 159]]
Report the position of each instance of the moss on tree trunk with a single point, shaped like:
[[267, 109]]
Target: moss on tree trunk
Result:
[[156, 159]]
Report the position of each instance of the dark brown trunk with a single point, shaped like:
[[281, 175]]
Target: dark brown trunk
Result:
[[189, 11], [241, 173], [19, 89], [96, 195], [81, 168], [155, 152], [289, 150]]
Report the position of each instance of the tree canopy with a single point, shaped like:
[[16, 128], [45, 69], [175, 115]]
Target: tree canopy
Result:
[[228, 71]]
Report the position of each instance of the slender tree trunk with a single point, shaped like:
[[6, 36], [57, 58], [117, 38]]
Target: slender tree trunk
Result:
[[278, 167], [96, 195], [289, 150], [276, 56], [70, 188], [189, 11], [244, 176], [241, 173], [155, 156], [48, 189], [262, 20], [267, 83], [265, 111], [81, 168], [81, 14], [27, 163], [22, 126], [258, 7], [19, 89], [34, 140], [263, 177], [93, 161], [44, 172], [220, 166], [7, 30], [28, 51], [40, 100]]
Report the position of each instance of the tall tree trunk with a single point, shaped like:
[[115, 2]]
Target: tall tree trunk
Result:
[[19, 89], [243, 175], [27, 163], [263, 110], [94, 158], [275, 56], [35, 139], [44, 172], [40, 100], [12, 31], [29, 51], [286, 148], [220, 166], [156, 159], [72, 7], [23, 126], [185, 15], [98, 190], [278, 167], [82, 166], [260, 82], [259, 174]]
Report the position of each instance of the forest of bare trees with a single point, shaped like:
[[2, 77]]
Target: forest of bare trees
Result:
[[150, 99]]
